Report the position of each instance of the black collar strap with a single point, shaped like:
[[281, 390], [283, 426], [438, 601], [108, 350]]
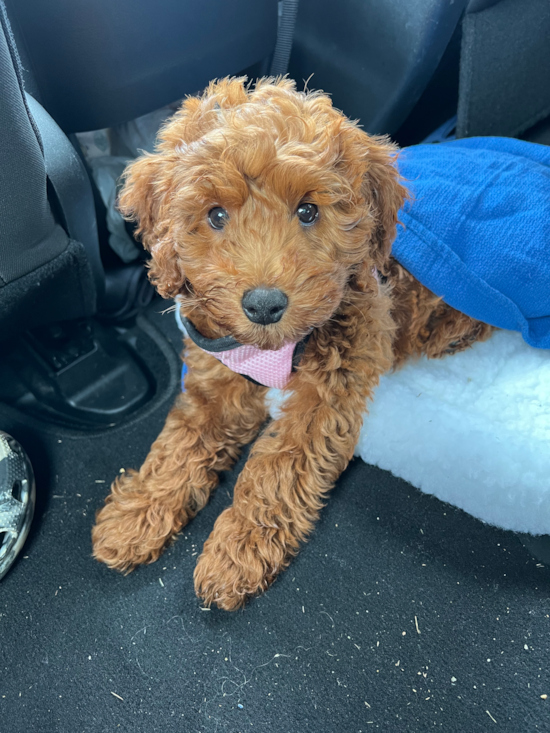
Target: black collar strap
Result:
[[225, 343]]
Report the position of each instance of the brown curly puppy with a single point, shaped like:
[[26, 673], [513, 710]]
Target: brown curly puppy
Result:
[[272, 190]]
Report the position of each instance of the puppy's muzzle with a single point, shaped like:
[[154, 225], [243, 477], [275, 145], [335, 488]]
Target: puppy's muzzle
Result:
[[264, 305]]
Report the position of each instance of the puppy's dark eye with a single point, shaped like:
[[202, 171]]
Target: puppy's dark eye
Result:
[[307, 214], [218, 217]]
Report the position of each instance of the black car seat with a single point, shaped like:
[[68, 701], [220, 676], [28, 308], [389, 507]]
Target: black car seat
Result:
[[384, 61], [504, 67], [97, 64], [48, 271]]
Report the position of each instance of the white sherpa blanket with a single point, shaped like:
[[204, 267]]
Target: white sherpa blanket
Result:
[[472, 429]]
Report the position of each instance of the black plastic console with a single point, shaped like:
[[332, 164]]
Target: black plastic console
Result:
[[83, 373]]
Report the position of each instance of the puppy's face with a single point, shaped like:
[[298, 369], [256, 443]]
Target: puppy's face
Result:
[[261, 208]]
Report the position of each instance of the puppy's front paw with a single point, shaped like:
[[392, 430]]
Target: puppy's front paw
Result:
[[129, 529], [240, 560]]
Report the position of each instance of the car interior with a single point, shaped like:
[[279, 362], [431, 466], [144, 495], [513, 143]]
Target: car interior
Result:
[[402, 612]]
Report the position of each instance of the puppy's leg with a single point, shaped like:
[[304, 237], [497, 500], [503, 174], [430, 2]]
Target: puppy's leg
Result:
[[295, 463], [218, 414]]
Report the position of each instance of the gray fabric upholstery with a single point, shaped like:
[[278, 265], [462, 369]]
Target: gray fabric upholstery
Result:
[[26, 220], [44, 276], [60, 289], [505, 67]]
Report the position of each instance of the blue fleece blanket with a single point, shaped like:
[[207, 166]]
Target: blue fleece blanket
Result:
[[477, 230]]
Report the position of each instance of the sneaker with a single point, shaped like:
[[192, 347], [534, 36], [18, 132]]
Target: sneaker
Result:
[[17, 498]]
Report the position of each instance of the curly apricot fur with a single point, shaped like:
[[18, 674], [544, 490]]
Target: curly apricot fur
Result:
[[259, 153]]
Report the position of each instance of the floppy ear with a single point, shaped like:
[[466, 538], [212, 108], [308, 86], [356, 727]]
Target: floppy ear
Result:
[[383, 187], [145, 199], [141, 197], [369, 164]]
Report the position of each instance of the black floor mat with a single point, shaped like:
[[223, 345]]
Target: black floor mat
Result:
[[400, 614]]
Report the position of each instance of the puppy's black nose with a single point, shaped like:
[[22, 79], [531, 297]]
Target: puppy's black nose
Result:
[[264, 305]]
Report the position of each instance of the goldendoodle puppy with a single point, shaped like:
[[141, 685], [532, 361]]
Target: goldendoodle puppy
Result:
[[271, 217]]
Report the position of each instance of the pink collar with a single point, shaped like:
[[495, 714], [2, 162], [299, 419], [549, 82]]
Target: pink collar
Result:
[[268, 368]]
